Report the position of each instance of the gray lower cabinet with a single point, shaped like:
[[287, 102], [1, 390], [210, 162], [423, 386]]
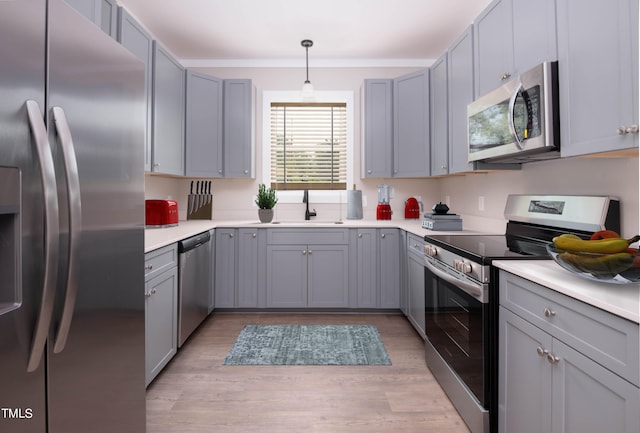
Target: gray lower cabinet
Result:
[[248, 240], [139, 42], [416, 283], [203, 126], [168, 113], [161, 309], [377, 151], [212, 293], [411, 155], [389, 265], [307, 268], [307, 276], [238, 128], [225, 268], [564, 366], [598, 95], [378, 269]]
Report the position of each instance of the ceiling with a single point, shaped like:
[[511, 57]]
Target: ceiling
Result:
[[268, 32]]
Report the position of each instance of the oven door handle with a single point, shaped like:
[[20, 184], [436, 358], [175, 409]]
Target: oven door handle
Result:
[[469, 288]]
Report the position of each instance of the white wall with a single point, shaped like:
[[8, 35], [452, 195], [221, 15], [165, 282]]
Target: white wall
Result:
[[233, 198]]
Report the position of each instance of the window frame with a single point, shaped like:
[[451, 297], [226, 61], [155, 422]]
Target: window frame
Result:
[[320, 196]]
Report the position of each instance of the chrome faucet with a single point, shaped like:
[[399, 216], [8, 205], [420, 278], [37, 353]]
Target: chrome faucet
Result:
[[305, 199]]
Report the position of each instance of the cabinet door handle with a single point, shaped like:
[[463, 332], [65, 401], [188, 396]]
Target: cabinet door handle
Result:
[[230, 235], [253, 235], [505, 76], [368, 171], [148, 267], [633, 129], [304, 252], [549, 313], [542, 351], [359, 235], [552, 359], [383, 235], [310, 251]]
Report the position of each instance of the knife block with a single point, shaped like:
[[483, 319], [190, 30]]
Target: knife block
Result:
[[200, 207]]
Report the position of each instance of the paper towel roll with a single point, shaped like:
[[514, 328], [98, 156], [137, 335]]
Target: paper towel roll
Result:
[[354, 204]]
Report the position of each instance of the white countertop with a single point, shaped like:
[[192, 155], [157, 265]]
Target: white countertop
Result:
[[620, 299], [155, 238]]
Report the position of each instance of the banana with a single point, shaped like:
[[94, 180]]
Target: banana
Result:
[[570, 242], [610, 264]]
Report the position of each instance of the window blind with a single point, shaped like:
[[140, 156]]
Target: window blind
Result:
[[308, 146]]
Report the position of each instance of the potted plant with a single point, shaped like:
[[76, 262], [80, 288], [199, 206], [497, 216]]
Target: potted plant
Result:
[[265, 200]]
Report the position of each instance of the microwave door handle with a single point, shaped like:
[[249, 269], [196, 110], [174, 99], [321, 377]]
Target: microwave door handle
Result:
[[512, 106], [75, 225], [51, 233]]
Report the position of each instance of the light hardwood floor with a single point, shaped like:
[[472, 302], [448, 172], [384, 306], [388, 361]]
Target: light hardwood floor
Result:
[[197, 394]]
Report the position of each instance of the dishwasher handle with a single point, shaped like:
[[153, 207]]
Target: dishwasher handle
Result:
[[193, 242]]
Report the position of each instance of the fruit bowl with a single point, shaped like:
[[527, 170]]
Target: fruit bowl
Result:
[[607, 268]]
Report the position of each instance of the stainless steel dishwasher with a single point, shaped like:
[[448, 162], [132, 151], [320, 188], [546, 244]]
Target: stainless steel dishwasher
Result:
[[194, 284]]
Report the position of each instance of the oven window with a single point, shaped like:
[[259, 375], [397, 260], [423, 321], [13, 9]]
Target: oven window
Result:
[[456, 327]]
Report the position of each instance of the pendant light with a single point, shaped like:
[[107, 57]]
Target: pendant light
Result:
[[307, 87]]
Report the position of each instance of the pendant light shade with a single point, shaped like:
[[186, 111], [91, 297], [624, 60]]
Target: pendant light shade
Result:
[[307, 87]]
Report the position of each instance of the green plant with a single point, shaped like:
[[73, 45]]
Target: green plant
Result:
[[266, 198]]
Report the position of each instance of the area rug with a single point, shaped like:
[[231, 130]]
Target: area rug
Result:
[[308, 345]]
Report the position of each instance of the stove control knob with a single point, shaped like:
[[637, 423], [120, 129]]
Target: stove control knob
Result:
[[462, 266], [430, 250]]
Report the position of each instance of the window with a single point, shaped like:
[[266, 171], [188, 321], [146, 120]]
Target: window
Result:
[[308, 145]]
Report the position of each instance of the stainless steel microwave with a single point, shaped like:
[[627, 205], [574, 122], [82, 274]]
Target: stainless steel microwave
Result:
[[519, 121]]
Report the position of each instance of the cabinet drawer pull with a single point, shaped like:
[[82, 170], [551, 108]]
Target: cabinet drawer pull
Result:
[[549, 313], [148, 267], [542, 351], [552, 359], [505, 76]]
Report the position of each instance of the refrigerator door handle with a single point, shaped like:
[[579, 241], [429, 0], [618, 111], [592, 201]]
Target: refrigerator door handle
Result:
[[51, 233], [75, 225]]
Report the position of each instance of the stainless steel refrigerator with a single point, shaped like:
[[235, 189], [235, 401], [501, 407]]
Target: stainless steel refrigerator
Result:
[[71, 225]]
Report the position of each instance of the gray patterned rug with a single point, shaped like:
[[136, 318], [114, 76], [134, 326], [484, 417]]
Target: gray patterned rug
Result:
[[308, 345]]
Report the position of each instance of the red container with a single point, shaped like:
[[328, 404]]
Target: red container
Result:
[[161, 213], [383, 211], [411, 208]]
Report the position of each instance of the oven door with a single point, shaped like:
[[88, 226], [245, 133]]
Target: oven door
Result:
[[457, 325]]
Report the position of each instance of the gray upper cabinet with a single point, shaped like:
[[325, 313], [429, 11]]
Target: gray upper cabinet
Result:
[[460, 95], [411, 150], [493, 46], [203, 126], [598, 93], [238, 128], [378, 128], [140, 43], [439, 117], [510, 37], [168, 113], [104, 13]]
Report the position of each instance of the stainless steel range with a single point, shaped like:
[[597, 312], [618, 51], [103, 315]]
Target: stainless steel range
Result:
[[461, 292]]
